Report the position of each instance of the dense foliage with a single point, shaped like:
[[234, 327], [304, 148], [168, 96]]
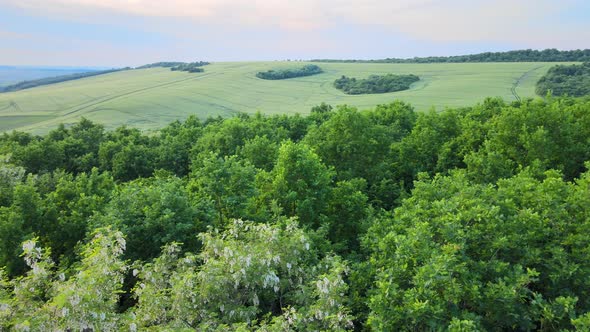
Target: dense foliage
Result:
[[375, 84], [563, 80], [470, 219], [547, 55], [191, 67], [281, 74], [56, 79]]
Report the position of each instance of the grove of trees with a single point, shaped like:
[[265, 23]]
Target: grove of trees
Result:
[[281, 74], [375, 84], [560, 80], [192, 67], [470, 219]]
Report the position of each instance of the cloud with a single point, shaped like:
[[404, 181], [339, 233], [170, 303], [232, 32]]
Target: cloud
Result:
[[534, 23], [7, 34], [301, 15]]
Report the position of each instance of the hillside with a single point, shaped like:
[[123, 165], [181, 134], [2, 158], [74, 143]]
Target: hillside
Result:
[[150, 98], [14, 74]]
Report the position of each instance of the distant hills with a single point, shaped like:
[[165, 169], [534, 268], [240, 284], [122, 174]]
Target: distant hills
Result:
[[14, 74]]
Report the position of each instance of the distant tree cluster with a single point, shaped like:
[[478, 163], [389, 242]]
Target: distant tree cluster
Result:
[[161, 64], [562, 80], [388, 219], [281, 74], [547, 55], [191, 67], [57, 79], [375, 84]]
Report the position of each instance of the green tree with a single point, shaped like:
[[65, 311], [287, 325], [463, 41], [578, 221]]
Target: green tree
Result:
[[226, 182], [250, 272], [151, 213], [499, 257], [300, 183]]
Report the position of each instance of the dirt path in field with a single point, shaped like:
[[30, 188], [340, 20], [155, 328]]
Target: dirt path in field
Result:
[[522, 77]]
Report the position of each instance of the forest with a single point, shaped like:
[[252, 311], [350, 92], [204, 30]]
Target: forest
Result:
[[56, 79], [560, 80], [387, 219], [281, 74], [375, 84], [547, 55]]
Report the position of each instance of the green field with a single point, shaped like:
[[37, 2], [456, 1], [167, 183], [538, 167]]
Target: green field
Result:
[[151, 98]]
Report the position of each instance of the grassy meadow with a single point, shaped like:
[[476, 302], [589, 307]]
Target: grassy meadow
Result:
[[151, 98]]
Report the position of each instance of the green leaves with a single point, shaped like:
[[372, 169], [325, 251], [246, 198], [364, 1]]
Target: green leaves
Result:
[[152, 213], [248, 271], [301, 183], [463, 253]]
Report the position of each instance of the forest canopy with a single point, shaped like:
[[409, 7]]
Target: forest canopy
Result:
[[387, 219], [281, 74], [573, 80], [375, 84]]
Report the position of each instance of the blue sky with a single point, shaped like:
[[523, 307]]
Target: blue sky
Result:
[[135, 32]]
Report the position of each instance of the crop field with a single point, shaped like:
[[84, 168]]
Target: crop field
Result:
[[151, 98]]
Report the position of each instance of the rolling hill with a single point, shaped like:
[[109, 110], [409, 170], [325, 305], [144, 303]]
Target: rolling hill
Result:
[[14, 74], [151, 98]]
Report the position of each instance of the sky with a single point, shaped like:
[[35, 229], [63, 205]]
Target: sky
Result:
[[115, 33]]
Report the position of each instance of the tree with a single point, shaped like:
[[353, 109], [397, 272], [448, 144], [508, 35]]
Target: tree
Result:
[[499, 256], [176, 141], [151, 213], [226, 182], [301, 183], [250, 272]]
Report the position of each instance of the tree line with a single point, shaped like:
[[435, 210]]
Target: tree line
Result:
[[375, 84], [281, 74], [473, 218], [164, 64], [191, 67], [56, 79], [560, 80], [547, 55]]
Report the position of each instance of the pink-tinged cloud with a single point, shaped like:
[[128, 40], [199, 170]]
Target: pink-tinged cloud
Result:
[[522, 22], [300, 15]]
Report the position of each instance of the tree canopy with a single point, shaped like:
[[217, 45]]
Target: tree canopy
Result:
[[469, 219], [573, 80]]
